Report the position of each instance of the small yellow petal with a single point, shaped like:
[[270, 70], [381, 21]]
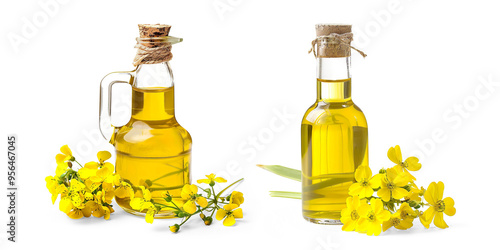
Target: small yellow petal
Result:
[[221, 213], [201, 201], [386, 225], [150, 216], [366, 192], [362, 173], [65, 150], [229, 221], [399, 193], [230, 206], [375, 181], [207, 181], [394, 154], [194, 189], [107, 213], [136, 203], [439, 191], [355, 189], [238, 213], [91, 165], [60, 158], [449, 208], [186, 192], [349, 224], [237, 198], [439, 221], [364, 209], [75, 214], [103, 156], [65, 205], [429, 215], [377, 205], [384, 215], [105, 171], [412, 163], [430, 194], [384, 193], [220, 180], [189, 207]]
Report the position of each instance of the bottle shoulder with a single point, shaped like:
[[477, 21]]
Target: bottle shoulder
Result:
[[167, 137], [326, 113]]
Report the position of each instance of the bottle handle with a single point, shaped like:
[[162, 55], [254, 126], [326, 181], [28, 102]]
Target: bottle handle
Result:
[[107, 129]]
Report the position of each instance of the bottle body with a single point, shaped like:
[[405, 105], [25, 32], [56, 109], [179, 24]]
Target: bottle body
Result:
[[152, 150], [334, 142]]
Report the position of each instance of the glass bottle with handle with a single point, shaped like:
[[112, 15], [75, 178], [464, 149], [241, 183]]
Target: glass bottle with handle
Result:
[[152, 150]]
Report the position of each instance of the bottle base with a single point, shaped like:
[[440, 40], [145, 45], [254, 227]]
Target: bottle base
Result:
[[323, 221]]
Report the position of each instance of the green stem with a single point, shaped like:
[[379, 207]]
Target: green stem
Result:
[[163, 205], [217, 196], [185, 220], [79, 163]]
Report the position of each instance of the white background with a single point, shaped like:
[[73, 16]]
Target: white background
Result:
[[240, 65]]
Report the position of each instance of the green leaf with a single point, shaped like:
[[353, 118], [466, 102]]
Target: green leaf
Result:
[[289, 173], [286, 194], [340, 178]]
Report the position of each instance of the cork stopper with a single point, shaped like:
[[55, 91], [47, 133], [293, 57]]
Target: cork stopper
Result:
[[333, 40], [154, 45], [152, 31], [327, 29]]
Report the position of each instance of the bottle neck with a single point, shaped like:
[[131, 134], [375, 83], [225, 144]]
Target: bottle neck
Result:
[[333, 79], [153, 92]]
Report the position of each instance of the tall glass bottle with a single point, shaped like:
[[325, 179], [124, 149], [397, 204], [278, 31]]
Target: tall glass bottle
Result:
[[152, 149], [334, 131]]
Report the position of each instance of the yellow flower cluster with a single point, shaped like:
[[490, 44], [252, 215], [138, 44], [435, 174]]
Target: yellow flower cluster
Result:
[[398, 199], [87, 191], [90, 190], [191, 202]]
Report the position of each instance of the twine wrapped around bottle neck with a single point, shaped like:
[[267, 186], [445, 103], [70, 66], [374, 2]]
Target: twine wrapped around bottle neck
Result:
[[334, 45], [152, 52]]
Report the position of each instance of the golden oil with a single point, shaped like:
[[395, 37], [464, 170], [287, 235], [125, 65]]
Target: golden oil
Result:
[[153, 150], [334, 136]]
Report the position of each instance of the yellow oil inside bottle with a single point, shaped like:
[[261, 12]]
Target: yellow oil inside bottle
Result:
[[153, 150], [334, 136]]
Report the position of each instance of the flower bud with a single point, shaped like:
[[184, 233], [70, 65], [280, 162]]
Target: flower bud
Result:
[[174, 228], [413, 203], [70, 164], [168, 198], [382, 171], [208, 221], [202, 216]]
